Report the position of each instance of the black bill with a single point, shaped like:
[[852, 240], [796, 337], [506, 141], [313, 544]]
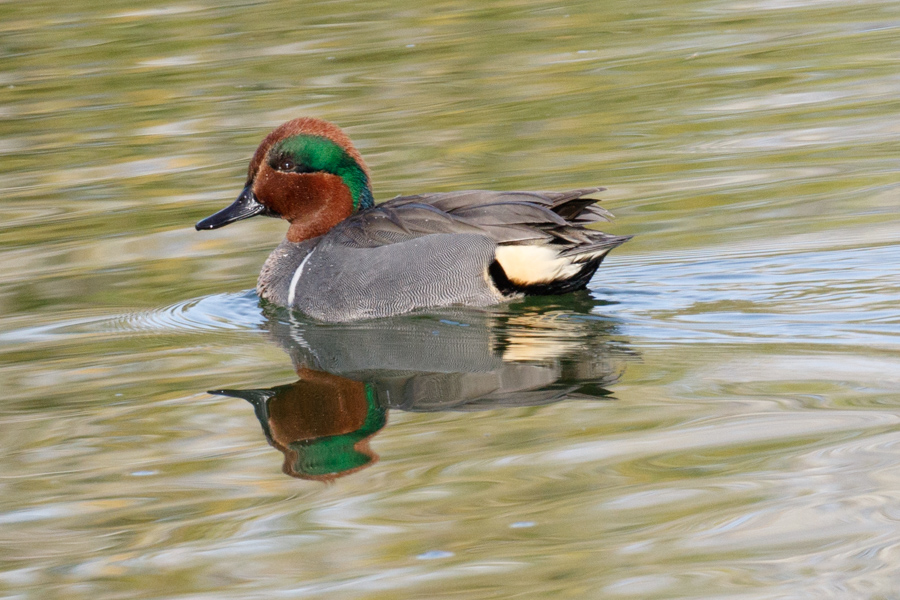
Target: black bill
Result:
[[244, 207]]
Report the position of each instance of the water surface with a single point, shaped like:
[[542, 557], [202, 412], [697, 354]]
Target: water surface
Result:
[[715, 417]]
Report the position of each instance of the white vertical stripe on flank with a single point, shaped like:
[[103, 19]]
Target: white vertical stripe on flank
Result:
[[292, 291]]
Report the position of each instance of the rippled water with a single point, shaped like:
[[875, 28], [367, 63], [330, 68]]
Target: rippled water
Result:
[[716, 417]]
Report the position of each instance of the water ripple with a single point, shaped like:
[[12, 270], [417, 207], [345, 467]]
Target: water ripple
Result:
[[820, 295], [217, 312]]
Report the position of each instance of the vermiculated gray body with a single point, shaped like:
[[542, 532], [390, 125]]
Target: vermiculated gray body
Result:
[[340, 283], [437, 250]]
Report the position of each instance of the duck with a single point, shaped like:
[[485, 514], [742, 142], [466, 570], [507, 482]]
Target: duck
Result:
[[345, 258]]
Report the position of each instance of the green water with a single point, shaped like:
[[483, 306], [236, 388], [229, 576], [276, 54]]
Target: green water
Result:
[[717, 418]]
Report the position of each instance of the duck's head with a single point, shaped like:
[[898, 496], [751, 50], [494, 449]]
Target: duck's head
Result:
[[307, 172]]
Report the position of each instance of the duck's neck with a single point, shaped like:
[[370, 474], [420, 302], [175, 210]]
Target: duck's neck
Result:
[[319, 208], [365, 198]]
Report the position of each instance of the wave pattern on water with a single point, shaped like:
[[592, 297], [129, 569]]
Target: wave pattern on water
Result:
[[751, 452], [845, 296], [217, 312]]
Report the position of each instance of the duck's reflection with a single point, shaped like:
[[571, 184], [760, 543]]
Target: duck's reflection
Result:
[[350, 375], [321, 423]]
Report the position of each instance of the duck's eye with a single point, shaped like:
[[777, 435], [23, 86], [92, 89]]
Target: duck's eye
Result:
[[286, 164]]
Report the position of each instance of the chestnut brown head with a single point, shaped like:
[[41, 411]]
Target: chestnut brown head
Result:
[[307, 172]]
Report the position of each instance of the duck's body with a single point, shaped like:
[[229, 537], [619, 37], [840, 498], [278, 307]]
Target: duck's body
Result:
[[344, 258]]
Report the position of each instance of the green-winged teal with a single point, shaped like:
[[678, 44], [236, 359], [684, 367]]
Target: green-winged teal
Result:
[[345, 258]]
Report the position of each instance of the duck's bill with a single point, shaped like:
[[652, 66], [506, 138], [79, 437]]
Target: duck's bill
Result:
[[244, 207]]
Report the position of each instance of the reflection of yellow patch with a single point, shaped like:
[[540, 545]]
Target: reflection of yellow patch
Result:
[[535, 349], [541, 337], [531, 264]]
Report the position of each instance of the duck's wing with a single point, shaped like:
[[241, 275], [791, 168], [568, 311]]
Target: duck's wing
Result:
[[571, 204], [537, 242], [557, 218]]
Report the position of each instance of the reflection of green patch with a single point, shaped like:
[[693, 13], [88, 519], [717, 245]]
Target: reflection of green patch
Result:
[[337, 453]]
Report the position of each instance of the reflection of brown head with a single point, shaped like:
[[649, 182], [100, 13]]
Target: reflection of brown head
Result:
[[320, 425]]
